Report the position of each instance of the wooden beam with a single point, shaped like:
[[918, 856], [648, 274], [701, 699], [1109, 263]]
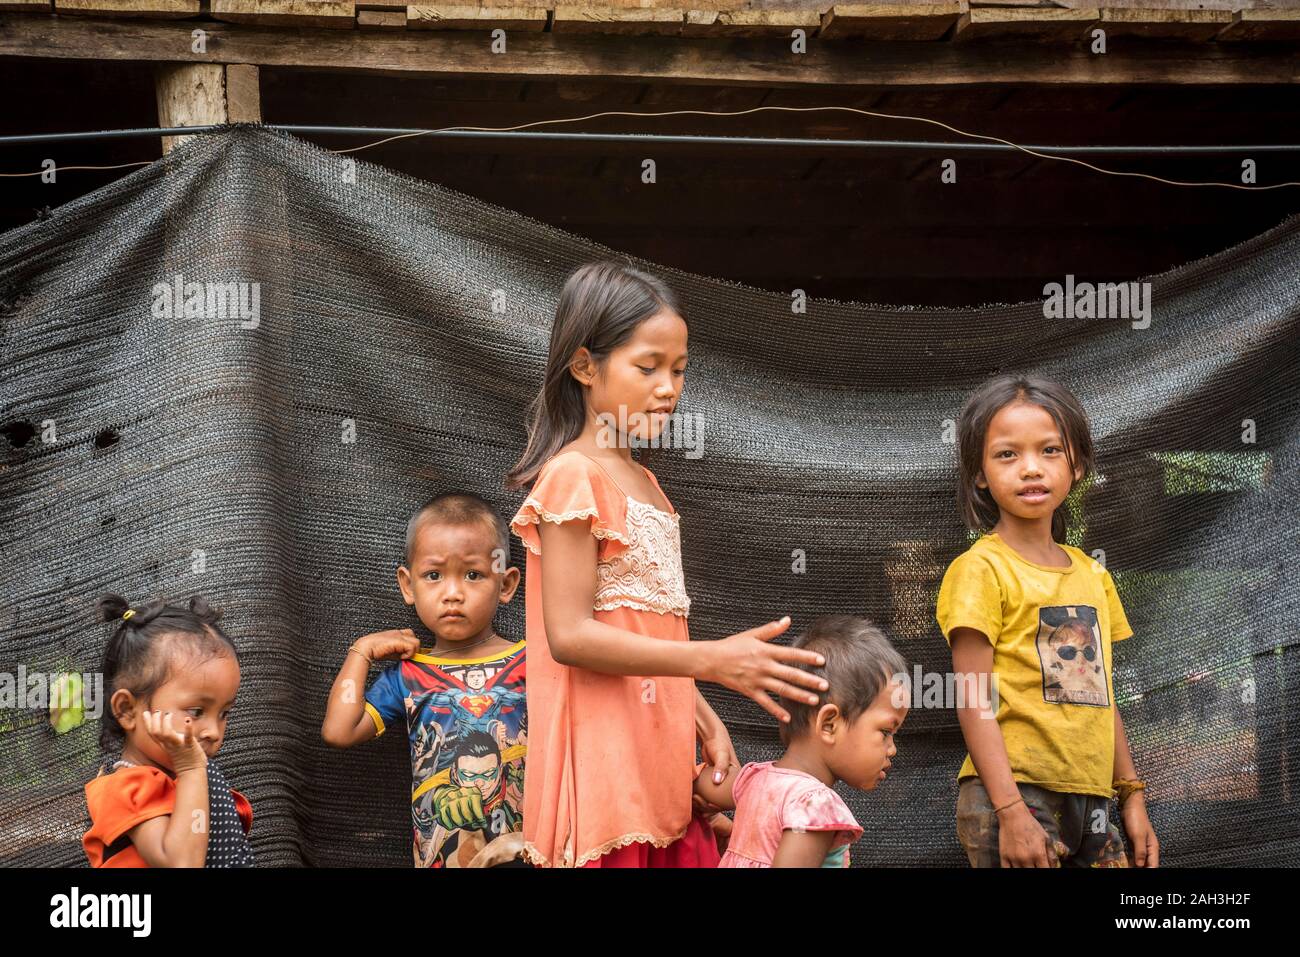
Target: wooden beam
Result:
[[1193, 25], [243, 94], [1025, 24], [750, 23], [1223, 6], [628, 22], [154, 9], [27, 6], [644, 59], [680, 4], [190, 94], [381, 19], [330, 14], [891, 21], [1263, 25], [454, 17], [203, 94]]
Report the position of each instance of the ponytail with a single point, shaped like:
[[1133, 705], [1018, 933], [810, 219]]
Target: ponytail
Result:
[[138, 656]]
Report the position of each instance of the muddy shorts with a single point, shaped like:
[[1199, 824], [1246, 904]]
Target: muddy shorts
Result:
[[1078, 825]]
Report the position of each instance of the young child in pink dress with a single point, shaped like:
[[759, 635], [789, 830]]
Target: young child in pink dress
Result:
[[787, 814]]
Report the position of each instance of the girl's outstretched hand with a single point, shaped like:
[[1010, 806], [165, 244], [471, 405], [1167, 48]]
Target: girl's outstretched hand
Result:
[[183, 749], [747, 663]]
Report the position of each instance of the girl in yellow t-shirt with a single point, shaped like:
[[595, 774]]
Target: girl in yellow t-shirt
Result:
[[1033, 620]]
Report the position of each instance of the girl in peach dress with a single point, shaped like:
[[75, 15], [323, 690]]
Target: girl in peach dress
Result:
[[613, 708]]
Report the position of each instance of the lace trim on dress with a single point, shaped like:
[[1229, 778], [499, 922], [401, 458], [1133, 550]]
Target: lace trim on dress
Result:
[[648, 574], [534, 857], [559, 518], [611, 603]]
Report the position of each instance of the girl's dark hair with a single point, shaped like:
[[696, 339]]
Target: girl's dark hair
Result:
[[600, 307], [860, 663], [978, 509], [143, 648]]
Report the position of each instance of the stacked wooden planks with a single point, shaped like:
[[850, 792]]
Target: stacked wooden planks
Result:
[[957, 21]]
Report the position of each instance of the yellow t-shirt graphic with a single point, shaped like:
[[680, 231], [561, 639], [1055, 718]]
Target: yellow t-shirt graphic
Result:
[[1051, 631]]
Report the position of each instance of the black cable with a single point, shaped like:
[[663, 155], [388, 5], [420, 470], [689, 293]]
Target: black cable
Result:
[[652, 138]]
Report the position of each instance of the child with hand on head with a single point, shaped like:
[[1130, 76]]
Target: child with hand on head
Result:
[[616, 712], [787, 814], [172, 675], [1039, 618], [461, 700]]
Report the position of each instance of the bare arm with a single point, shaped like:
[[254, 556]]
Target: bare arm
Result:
[[1124, 767], [803, 848], [1146, 849], [575, 637], [179, 839], [744, 662], [346, 722], [715, 740], [720, 795], [1023, 840]]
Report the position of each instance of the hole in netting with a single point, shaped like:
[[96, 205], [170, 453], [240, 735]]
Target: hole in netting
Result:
[[107, 520], [11, 297], [18, 434], [107, 438]]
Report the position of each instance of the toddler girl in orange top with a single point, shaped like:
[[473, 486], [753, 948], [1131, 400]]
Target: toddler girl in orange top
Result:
[[172, 675], [613, 707]]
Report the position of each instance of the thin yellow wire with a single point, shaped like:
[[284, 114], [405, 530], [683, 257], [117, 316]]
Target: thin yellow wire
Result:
[[757, 109], [61, 169], [805, 109]]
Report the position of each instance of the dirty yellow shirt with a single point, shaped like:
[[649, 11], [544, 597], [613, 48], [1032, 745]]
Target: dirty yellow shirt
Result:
[[1051, 631]]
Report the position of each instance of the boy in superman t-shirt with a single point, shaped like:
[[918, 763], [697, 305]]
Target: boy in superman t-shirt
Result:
[[462, 700]]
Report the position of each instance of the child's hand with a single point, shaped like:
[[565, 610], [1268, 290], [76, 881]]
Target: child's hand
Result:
[[719, 756], [700, 805], [1141, 835], [1022, 842], [508, 847], [715, 742], [183, 749], [745, 662], [390, 645], [722, 827]]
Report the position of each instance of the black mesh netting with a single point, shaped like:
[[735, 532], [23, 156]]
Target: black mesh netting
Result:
[[169, 456]]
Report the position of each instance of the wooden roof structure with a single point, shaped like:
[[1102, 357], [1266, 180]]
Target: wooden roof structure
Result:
[[868, 225], [1202, 41], [940, 21]]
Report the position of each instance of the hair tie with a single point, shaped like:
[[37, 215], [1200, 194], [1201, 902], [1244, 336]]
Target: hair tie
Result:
[[126, 615]]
